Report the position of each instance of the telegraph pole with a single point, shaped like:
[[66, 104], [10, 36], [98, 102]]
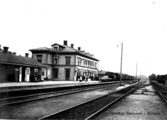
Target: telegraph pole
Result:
[[136, 71], [121, 64]]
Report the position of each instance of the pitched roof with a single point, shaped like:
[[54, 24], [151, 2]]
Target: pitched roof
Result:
[[7, 58], [58, 44], [66, 49]]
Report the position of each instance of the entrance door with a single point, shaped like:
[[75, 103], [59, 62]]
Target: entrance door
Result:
[[67, 74]]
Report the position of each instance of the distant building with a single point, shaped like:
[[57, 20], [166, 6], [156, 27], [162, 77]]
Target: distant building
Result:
[[17, 68], [66, 63]]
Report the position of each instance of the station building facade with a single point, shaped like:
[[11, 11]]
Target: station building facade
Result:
[[15, 68], [66, 63]]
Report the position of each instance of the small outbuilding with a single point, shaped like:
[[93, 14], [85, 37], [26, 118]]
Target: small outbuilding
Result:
[[15, 68]]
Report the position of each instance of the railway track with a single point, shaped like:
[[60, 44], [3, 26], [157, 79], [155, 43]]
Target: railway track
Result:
[[89, 109], [161, 90], [33, 97]]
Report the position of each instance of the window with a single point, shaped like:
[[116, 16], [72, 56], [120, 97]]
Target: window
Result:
[[55, 72], [56, 48], [67, 73], [86, 63], [96, 65], [36, 71], [55, 60], [28, 70], [79, 61], [93, 65], [90, 63], [39, 58], [68, 60], [43, 72]]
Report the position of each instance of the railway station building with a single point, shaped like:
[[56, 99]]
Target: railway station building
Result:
[[66, 63], [15, 68]]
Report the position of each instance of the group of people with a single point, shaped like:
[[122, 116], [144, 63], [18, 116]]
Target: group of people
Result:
[[84, 78]]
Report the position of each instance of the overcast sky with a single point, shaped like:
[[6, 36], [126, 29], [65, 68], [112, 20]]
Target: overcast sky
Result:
[[97, 26]]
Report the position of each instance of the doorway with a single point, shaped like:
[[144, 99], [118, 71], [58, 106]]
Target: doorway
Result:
[[67, 74], [16, 74], [23, 74]]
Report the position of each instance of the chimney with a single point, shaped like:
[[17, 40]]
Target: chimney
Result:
[[65, 42], [14, 53], [72, 45], [5, 49], [26, 54], [79, 48]]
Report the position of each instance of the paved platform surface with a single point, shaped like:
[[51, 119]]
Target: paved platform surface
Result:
[[144, 104], [44, 84], [16, 84]]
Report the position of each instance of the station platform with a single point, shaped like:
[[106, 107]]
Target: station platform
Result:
[[15, 84], [25, 85]]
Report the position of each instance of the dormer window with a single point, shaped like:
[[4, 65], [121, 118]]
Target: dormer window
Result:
[[56, 48], [39, 58]]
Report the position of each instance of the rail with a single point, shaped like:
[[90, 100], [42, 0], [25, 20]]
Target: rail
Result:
[[160, 90], [87, 110], [33, 97]]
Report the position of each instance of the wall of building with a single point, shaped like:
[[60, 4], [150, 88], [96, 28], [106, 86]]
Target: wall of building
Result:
[[95, 66], [9, 73], [61, 73], [83, 70], [49, 59], [62, 59], [61, 65], [86, 67], [45, 60], [3, 73]]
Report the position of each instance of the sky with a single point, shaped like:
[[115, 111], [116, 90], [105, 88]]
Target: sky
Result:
[[97, 26]]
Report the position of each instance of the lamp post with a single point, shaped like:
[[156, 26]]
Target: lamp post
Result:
[[121, 64], [136, 72], [140, 75]]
